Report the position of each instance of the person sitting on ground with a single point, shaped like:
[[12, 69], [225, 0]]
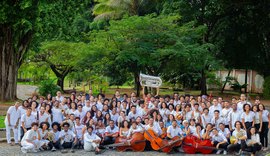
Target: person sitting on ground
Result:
[[134, 128], [55, 142], [31, 140], [91, 141], [43, 131], [111, 132], [174, 130], [219, 141], [68, 139], [253, 141]]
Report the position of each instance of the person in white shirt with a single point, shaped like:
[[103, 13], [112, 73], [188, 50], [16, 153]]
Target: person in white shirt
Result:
[[78, 127], [31, 140], [114, 115], [79, 112], [57, 113], [265, 126], [154, 127], [241, 137], [23, 109], [111, 132], [132, 115], [225, 113], [242, 102], [225, 131], [253, 141], [43, 117], [87, 106], [198, 132], [134, 128], [43, 132], [216, 120], [68, 139], [27, 119], [91, 141], [234, 116], [59, 96], [55, 142], [219, 141], [174, 130], [205, 117], [214, 107], [248, 117], [12, 122]]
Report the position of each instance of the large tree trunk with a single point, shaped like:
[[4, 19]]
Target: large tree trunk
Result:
[[203, 83], [9, 65], [60, 82], [60, 75], [137, 84]]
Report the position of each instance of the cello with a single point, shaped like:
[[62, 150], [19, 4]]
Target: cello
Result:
[[191, 145], [136, 143]]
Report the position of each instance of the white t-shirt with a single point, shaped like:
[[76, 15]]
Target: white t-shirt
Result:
[[78, 130], [241, 104], [219, 138], [213, 108], [174, 131], [132, 130], [56, 135], [235, 134], [28, 120], [233, 117], [57, 115], [22, 111], [86, 108], [68, 136], [217, 122], [114, 117], [80, 114], [155, 128], [265, 114], [225, 132], [14, 115], [112, 131], [90, 138], [248, 117], [206, 119], [44, 117], [225, 115], [30, 135], [132, 115]]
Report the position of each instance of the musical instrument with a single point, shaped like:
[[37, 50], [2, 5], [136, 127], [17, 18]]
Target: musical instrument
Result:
[[150, 81], [232, 139], [50, 136], [136, 143], [191, 144], [174, 142]]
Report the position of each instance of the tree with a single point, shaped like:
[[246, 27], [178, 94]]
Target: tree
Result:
[[62, 57], [17, 26]]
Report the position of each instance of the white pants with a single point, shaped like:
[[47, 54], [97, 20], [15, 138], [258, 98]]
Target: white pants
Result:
[[90, 146], [29, 146], [15, 132]]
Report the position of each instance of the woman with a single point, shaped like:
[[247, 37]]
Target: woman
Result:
[[105, 110], [100, 129], [48, 110], [169, 121], [23, 109], [253, 141], [198, 132], [86, 118], [164, 112], [98, 116], [124, 129], [121, 118], [186, 129], [265, 126], [93, 111], [240, 134], [113, 104], [34, 106], [248, 117], [73, 108], [196, 113], [107, 119], [258, 118], [171, 109], [206, 132], [43, 131]]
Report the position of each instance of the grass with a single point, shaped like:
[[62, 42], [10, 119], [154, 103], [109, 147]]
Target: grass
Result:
[[2, 123]]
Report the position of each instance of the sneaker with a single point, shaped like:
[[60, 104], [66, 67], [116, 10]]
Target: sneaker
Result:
[[53, 149], [265, 149], [218, 152], [240, 152], [72, 151], [225, 152], [24, 150], [41, 149], [34, 150]]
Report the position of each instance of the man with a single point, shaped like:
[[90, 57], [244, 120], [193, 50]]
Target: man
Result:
[[225, 131], [79, 112], [90, 93], [70, 120], [114, 115], [111, 133], [43, 117], [57, 113], [78, 131], [91, 141], [27, 120], [225, 113], [59, 96], [241, 103], [132, 115], [234, 116], [154, 127], [31, 140], [87, 106], [215, 106], [174, 130], [68, 139], [55, 143], [219, 141], [134, 128], [12, 122], [216, 120]]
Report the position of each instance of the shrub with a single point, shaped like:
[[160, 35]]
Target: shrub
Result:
[[266, 88], [48, 87]]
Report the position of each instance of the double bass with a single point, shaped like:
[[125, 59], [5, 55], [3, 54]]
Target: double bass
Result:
[[136, 143], [192, 144], [161, 144]]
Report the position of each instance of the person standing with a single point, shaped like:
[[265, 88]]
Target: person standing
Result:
[[12, 122], [27, 119], [265, 126]]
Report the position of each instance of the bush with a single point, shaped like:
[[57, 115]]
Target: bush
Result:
[[266, 88], [48, 87]]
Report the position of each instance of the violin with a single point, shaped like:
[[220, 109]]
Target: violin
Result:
[[136, 143], [191, 145], [156, 142], [174, 142]]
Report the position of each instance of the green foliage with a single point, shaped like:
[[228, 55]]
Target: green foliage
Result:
[[266, 88], [48, 87]]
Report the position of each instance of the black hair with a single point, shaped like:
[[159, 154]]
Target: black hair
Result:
[[245, 106], [34, 124], [33, 102], [58, 125], [238, 122], [216, 111], [66, 124], [46, 123]]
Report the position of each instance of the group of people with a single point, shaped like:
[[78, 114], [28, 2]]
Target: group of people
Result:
[[88, 122]]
